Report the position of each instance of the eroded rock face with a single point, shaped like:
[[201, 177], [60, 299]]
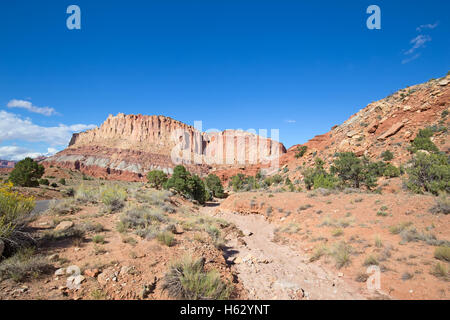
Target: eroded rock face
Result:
[[126, 147]]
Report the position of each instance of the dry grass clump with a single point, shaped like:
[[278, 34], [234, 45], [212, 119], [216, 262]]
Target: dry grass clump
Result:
[[341, 254], [113, 197], [399, 227], [337, 223], [370, 261], [85, 194], [440, 271], [289, 228], [318, 252], [24, 265], [442, 253], [442, 204], [166, 238], [154, 197], [63, 207], [187, 279]]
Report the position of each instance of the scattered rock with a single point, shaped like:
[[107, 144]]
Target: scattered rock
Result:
[[124, 270], [443, 82], [238, 260], [73, 270], [2, 247], [351, 133], [373, 127], [247, 233], [60, 272], [77, 280], [91, 272], [64, 225]]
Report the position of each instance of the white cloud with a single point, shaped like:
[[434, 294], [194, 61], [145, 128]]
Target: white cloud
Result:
[[46, 111], [414, 57], [12, 127], [418, 42], [291, 121], [427, 26], [16, 153]]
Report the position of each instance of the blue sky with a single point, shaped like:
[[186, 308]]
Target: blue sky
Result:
[[297, 66]]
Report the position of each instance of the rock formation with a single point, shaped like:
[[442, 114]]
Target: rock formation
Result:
[[128, 146]]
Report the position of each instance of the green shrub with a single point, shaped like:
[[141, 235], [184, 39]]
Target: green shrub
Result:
[[98, 239], [242, 182], [387, 155], [214, 184], [62, 181], [391, 171], [189, 185], [318, 177], [26, 173], [353, 171], [54, 185], [326, 181], [157, 178], [44, 182], [301, 150], [423, 142], [187, 279], [429, 172]]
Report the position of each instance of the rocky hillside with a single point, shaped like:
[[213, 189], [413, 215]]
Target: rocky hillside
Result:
[[388, 124], [126, 147]]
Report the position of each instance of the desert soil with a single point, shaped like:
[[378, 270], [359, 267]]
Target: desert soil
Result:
[[271, 270]]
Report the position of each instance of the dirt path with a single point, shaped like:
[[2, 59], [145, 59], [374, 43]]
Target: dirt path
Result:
[[270, 270]]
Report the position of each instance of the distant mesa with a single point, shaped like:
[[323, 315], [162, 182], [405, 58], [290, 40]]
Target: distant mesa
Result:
[[128, 146]]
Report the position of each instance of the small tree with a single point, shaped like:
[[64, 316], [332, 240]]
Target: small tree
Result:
[[387, 155], [157, 178], [214, 184], [318, 177], [178, 180], [197, 189], [429, 172], [189, 185], [44, 182], [26, 173], [353, 171], [62, 181], [301, 150], [423, 142]]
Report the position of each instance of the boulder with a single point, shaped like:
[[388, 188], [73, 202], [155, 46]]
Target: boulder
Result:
[[373, 127], [443, 82], [64, 225], [391, 131]]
